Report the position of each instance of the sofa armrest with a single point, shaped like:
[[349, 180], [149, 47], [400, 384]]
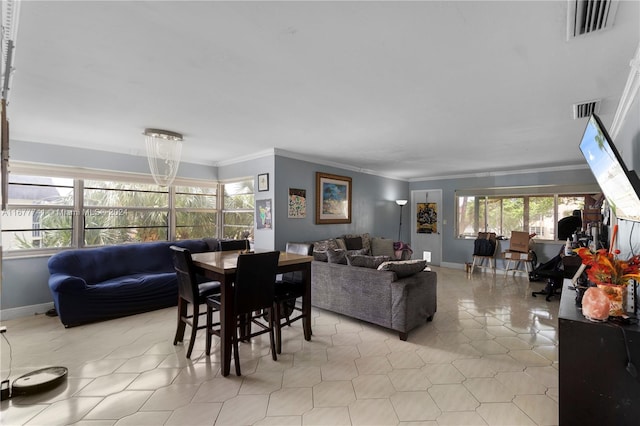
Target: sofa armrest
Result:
[[413, 300], [62, 283]]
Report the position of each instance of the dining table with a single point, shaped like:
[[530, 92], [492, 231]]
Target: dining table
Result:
[[221, 266]]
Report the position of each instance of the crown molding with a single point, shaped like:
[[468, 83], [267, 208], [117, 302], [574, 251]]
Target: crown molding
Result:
[[311, 159], [502, 173], [628, 95]]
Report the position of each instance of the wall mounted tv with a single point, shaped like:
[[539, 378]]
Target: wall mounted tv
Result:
[[620, 186]]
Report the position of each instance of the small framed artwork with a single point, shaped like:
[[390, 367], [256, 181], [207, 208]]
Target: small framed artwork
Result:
[[263, 182], [427, 218], [297, 203], [263, 214], [333, 199]]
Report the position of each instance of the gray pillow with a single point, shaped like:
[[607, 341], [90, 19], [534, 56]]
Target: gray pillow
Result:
[[366, 261], [337, 256], [324, 245], [403, 268], [320, 256], [382, 247]]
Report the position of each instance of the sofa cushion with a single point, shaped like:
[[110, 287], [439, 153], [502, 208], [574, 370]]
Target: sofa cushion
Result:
[[382, 247], [320, 248], [320, 256], [337, 256], [365, 261], [341, 244], [403, 268], [213, 244]]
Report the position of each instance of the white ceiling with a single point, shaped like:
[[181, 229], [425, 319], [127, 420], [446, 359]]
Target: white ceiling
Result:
[[404, 89]]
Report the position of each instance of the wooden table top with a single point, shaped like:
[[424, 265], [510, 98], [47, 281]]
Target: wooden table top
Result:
[[225, 262]]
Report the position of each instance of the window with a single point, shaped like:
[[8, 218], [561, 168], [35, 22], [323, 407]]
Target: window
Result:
[[502, 214], [119, 212], [40, 213], [238, 210], [46, 213], [196, 212]]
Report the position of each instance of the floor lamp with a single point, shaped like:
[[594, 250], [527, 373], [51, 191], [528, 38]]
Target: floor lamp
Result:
[[401, 203]]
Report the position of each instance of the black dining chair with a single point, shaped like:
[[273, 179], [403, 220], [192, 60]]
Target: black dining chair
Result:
[[253, 295], [190, 291], [229, 245], [287, 290]]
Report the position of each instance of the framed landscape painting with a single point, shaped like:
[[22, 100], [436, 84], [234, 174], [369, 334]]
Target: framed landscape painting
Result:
[[333, 198]]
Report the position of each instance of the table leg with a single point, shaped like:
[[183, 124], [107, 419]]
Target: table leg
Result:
[[227, 323], [306, 302]]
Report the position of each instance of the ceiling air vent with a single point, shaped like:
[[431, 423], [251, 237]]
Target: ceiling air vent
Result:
[[585, 109], [587, 16]]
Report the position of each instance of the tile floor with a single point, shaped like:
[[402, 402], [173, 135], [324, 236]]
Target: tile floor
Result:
[[490, 357]]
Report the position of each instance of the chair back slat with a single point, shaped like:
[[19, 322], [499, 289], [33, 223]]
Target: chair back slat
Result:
[[305, 249], [255, 280], [183, 264]]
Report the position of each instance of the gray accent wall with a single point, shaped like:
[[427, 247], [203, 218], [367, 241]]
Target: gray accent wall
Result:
[[373, 205]]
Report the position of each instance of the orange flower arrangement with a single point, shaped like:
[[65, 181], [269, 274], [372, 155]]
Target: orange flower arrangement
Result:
[[605, 269]]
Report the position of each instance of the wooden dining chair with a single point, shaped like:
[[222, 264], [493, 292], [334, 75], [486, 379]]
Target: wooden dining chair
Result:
[[253, 295], [229, 245], [190, 292], [287, 290]]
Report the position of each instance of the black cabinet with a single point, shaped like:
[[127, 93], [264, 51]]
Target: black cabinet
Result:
[[595, 386]]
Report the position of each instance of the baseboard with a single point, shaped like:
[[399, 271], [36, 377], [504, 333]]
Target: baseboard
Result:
[[25, 311], [498, 270], [452, 265]]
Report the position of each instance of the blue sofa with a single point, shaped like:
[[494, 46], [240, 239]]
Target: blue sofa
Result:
[[96, 284]]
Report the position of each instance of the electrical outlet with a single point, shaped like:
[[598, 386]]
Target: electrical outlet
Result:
[[3, 329]]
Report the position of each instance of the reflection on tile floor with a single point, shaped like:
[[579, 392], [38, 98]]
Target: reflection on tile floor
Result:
[[490, 357]]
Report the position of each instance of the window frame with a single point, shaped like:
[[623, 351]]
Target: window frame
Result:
[[79, 176]]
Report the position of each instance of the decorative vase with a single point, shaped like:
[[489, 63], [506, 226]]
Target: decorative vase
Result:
[[617, 295]]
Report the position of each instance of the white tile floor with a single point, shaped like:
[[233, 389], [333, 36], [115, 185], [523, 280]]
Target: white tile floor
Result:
[[489, 357]]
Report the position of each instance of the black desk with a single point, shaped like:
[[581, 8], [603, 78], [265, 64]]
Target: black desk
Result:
[[595, 387]]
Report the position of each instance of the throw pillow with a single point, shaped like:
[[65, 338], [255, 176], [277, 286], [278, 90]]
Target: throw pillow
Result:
[[403, 268], [354, 243], [382, 247], [366, 261], [366, 240], [324, 245], [320, 256], [341, 244], [337, 256]]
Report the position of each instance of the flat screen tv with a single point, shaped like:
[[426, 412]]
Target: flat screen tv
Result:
[[620, 186]]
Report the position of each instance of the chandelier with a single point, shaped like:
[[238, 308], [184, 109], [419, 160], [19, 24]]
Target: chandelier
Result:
[[163, 152]]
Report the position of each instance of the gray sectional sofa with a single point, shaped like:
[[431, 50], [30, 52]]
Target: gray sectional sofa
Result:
[[395, 300]]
